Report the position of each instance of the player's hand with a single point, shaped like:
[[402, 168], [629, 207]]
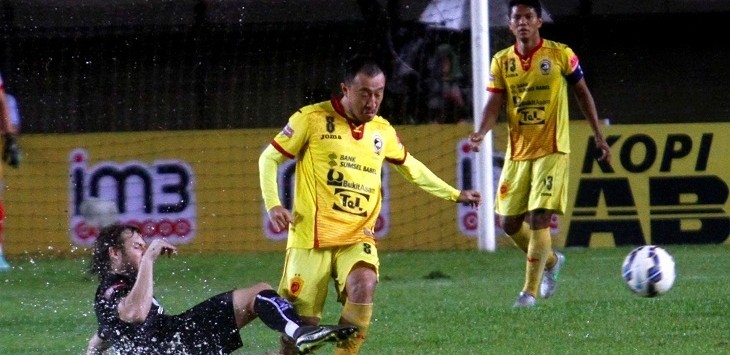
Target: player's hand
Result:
[[603, 149], [11, 151], [470, 197], [474, 140], [280, 218], [160, 247]]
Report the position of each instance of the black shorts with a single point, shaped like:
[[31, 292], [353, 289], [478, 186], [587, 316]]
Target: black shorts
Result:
[[207, 328]]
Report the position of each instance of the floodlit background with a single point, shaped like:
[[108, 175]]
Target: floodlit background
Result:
[[98, 66]]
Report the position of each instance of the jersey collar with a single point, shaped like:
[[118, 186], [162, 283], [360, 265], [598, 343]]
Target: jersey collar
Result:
[[357, 129], [526, 59]]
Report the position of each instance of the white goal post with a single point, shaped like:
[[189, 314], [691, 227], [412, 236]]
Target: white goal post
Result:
[[480, 70]]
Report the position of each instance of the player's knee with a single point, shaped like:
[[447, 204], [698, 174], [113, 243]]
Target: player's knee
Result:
[[245, 297], [511, 227], [361, 284], [541, 218], [363, 274], [512, 224]]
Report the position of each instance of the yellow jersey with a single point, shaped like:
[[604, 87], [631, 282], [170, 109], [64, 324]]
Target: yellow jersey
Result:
[[536, 97], [337, 196]]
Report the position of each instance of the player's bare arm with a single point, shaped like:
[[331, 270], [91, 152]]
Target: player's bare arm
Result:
[[97, 345], [588, 107], [489, 119], [160, 247], [135, 307]]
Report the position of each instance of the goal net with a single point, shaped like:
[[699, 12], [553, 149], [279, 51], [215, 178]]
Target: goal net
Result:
[[135, 85]]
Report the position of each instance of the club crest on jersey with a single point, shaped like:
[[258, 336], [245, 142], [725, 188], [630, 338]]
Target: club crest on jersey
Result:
[[545, 66], [295, 285], [504, 189], [378, 144], [287, 131]]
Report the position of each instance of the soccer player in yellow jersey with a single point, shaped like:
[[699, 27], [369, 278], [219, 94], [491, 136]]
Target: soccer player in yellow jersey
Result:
[[340, 146], [531, 80]]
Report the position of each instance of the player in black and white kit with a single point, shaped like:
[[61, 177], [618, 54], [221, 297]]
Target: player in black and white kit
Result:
[[131, 321]]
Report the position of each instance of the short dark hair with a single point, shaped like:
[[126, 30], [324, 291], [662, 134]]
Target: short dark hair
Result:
[[109, 237], [361, 64], [535, 4]]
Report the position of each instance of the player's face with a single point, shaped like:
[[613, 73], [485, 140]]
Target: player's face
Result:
[[524, 22], [131, 256], [363, 96]]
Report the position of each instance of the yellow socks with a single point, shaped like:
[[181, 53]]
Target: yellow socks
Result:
[[358, 315], [538, 251], [522, 237], [551, 260]]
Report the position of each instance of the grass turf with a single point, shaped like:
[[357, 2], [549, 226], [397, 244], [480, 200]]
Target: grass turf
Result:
[[448, 302]]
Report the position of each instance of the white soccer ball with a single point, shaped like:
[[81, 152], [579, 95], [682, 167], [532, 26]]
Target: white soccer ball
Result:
[[648, 271], [99, 213]]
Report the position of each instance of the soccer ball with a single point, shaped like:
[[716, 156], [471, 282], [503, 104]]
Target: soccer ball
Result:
[[99, 213], [648, 271]]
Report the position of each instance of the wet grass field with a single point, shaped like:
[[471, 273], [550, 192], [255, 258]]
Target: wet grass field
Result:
[[454, 302]]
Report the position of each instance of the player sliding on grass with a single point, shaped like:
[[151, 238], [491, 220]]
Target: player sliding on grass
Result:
[[131, 321], [340, 146], [531, 79]]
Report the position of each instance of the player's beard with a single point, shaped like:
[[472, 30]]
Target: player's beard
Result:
[[129, 267]]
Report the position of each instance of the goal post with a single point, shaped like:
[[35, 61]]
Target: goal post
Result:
[[480, 56]]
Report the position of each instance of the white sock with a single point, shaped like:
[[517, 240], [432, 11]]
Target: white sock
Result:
[[290, 328]]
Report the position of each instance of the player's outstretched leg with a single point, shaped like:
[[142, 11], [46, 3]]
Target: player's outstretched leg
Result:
[[550, 277], [311, 337]]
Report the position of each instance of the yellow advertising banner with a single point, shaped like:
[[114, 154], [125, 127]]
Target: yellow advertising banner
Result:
[[666, 184], [199, 188]]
